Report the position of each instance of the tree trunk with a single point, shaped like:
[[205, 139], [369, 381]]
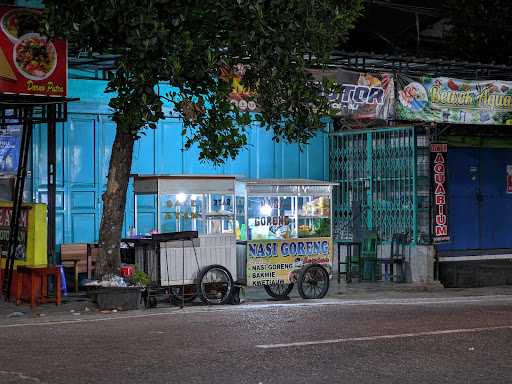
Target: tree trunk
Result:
[[114, 203]]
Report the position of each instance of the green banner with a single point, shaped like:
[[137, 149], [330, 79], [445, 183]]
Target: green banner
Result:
[[448, 100]]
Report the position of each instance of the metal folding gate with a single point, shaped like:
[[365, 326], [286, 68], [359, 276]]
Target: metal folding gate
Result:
[[376, 169]]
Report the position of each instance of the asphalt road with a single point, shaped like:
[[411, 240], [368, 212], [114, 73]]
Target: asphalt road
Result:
[[460, 340]]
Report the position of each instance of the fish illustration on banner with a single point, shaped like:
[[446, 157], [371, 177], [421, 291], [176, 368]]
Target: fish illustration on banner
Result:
[[449, 100]]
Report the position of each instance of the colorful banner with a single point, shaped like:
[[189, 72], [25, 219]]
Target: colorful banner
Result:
[[438, 156], [447, 100], [279, 261], [30, 64], [9, 150], [361, 96], [242, 98]]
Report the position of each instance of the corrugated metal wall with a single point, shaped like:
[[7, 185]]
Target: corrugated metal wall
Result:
[[83, 153]]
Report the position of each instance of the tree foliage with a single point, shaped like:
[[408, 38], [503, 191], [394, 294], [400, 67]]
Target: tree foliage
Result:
[[480, 30], [186, 42], [191, 45]]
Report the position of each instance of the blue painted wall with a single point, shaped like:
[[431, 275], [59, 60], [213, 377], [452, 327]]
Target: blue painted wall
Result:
[[83, 153]]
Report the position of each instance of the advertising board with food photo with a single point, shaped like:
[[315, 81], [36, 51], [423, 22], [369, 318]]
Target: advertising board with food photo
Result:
[[359, 95], [449, 100], [30, 64], [280, 261]]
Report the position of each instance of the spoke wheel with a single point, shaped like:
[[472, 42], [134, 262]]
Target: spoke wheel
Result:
[[278, 291], [313, 282], [215, 284]]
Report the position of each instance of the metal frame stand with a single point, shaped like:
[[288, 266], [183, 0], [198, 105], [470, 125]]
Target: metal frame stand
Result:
[[28, 111], [18, 200]]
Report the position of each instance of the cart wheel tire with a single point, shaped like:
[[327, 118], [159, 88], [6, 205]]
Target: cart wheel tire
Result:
[[313, 282], [278, 291], [215, 285], [175, 295], [235, 296]]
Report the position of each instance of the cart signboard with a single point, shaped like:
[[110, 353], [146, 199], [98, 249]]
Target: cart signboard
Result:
[[30, 64], [279, 261]]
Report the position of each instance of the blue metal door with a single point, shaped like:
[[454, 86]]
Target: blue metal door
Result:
[[496, 203], [480, 210]]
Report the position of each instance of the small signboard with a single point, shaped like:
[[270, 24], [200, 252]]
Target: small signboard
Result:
[[30, 64], [438, 155]]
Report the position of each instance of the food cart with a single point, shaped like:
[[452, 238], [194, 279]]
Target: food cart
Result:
[[270, 233], [286, 236]]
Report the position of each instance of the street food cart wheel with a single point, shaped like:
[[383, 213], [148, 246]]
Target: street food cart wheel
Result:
[[278, 291], [313, 282], [175, 294], [215, 284]]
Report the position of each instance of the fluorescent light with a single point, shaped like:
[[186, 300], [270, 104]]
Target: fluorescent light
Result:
[[266, 210], [181, 197]]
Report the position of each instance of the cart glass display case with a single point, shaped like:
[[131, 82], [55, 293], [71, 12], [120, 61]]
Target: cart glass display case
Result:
[[279, 211], [205, 204]]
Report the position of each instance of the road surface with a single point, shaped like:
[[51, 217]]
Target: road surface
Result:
[[448, 340]]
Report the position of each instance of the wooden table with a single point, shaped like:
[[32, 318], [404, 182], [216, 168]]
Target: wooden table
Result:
[[35, 273]]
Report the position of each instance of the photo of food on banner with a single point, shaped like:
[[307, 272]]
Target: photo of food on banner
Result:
[[359, 95]]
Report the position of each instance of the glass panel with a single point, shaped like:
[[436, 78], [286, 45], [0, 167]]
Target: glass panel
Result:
[[240, 225], [220, 213], [314, 216], [272, 217], [181, 212]]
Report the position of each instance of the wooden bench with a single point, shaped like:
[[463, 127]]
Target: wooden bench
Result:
[[81, 257]]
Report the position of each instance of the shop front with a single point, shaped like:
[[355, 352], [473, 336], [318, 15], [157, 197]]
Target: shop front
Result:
[[479, 250], [470, 164]]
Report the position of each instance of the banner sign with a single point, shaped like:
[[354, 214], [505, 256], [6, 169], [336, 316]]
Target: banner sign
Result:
[[361, 96], [9, 150], [438, 155], [30, 64], [447, 100], [279, 261], [5, 227], [242, 98]]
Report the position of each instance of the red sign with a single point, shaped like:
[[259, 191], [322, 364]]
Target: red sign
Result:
[[438, 152], [30, 64]]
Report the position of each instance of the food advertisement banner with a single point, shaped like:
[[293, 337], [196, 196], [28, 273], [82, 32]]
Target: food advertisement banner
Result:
[[361, 96], [438, 155], [30, 64], [279, 261], [447, 100], [9, 150]]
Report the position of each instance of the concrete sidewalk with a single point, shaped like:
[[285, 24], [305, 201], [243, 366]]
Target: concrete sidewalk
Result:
[[77, 306]]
